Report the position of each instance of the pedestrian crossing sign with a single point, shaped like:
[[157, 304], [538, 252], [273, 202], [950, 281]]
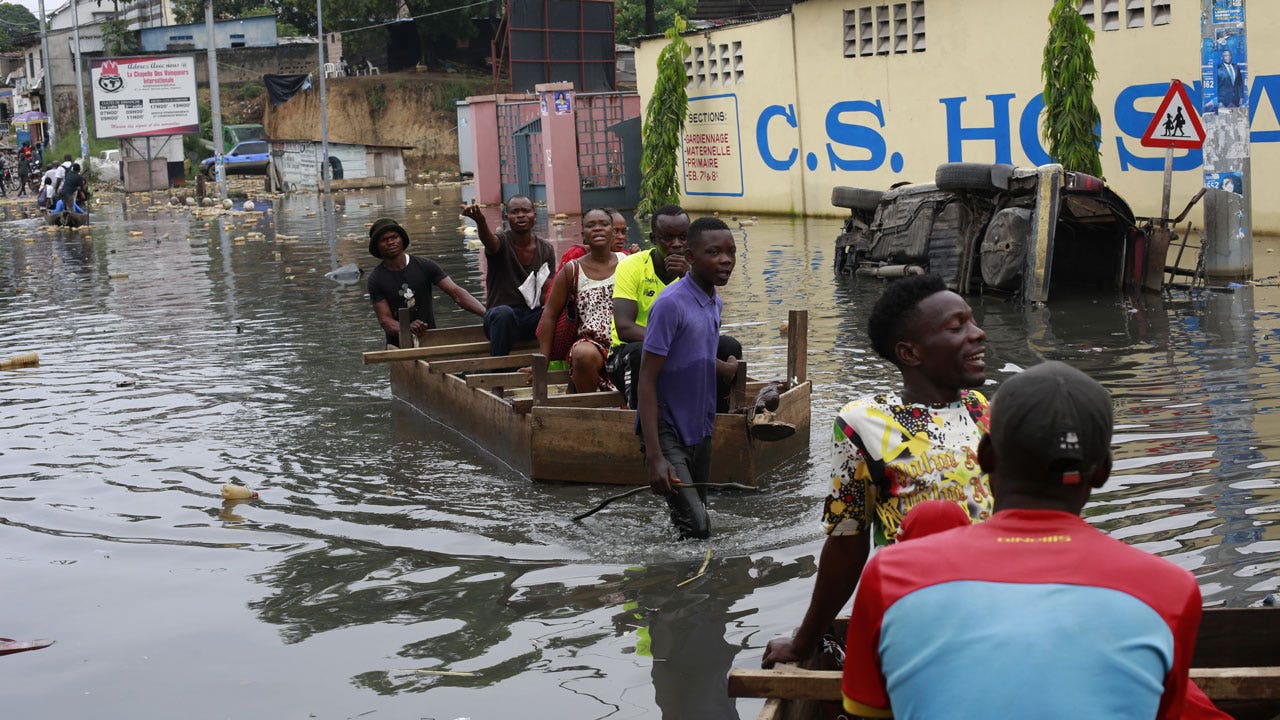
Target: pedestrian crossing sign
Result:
[[1176, 124]]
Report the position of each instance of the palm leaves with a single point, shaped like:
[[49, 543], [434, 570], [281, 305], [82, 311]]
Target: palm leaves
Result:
[[1071, 117], [663, 125]]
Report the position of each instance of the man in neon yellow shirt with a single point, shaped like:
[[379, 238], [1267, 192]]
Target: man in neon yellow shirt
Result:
[[637, 282]]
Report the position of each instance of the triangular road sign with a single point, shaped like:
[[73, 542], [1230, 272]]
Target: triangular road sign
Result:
[[1176, 124]]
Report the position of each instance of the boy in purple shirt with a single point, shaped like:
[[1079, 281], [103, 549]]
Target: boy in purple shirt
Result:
[[677, 384]]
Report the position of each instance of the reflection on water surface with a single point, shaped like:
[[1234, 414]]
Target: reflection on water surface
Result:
[[391, 569]]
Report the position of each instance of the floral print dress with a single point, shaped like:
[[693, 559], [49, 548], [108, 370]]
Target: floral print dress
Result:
[[594, 299]]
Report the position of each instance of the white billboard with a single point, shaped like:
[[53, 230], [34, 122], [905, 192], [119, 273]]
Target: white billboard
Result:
[[140, 96]]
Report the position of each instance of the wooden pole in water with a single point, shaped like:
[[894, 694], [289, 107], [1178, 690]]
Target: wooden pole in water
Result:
[[797, 346], [215, 103]]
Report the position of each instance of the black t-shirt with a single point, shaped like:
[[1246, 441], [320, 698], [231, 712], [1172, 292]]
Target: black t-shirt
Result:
[[71, 182], [418, 275]]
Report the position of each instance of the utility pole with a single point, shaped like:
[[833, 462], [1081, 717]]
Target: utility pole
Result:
[[1228, 199], [48, 77], [215, 103], [84, 127], [324, 107]]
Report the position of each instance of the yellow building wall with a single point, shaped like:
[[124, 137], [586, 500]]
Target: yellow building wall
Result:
[[971, 95], [758, 71]]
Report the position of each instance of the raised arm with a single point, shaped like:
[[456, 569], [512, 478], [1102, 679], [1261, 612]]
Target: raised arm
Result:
[[464, 299], [487, 236]]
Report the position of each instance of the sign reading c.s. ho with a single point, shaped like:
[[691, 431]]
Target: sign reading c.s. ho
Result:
[[711, 147]]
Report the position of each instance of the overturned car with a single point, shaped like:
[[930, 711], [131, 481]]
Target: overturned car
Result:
[[983, 227]]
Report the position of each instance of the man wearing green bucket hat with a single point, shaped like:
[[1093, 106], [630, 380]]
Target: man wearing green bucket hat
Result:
[[402, 280]]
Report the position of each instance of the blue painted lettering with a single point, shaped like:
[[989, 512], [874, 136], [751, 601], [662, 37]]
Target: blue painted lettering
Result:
[[1271, 85], [999, 131], [787, 113], [855, 136]]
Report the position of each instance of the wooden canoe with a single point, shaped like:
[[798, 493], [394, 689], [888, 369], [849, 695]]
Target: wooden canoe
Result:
[[1236, 663], [528, 421], [66, 218]]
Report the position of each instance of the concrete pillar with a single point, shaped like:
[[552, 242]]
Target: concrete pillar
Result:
[[484, 139], [560, 148], [1228, 203]]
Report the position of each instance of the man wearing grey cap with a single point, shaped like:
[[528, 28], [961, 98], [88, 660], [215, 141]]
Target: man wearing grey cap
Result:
[[401, 281], [1033, 613]]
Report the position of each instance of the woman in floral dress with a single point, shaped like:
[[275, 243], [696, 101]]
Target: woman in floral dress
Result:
[[588, 283]]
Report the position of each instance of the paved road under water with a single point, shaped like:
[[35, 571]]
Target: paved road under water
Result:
[[195, 354]]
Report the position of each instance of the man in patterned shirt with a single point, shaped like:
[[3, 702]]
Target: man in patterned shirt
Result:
[[894, 450]]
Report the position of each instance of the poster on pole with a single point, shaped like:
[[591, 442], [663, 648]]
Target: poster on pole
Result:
[[141, 96]]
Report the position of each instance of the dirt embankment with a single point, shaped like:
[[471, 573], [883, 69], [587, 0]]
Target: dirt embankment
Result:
[[410, 109]]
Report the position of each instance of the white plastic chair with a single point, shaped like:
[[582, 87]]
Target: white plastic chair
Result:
[[331, 70], [372, 70]]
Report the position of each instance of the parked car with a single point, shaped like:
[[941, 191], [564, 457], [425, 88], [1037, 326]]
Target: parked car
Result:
[[996, 228], [246, 158], [234, 134]]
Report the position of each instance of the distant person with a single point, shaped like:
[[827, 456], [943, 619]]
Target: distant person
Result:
[[73, 183], [520, 265], [62, 205], [24, 169], [620, 243], [1033, 613], [402, 280], [60, 172], [894, 449], [342, 63], [45, 198], [4, 164], [587, 283], [640, 280], [1231, 89], [679, 374]]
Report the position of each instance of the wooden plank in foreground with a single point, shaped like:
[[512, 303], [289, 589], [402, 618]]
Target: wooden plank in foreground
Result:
[[793, 683]]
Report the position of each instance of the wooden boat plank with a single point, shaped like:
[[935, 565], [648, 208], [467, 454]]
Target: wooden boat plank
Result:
[[595, 445], [509, 380], [793, 683], [424, 353], [487, 422], [607, 399], [481, 364]]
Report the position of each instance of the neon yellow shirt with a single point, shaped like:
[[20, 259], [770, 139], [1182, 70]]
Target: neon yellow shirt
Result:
[[636, 280]]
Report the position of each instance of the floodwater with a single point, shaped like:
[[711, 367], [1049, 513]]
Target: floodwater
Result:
[[392, 570]]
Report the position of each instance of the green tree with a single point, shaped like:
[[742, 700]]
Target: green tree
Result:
[[1070, 116], [628, 22], [15, 22], [663, 125]]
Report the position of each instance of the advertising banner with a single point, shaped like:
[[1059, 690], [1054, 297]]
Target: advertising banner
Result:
[[141, 96]]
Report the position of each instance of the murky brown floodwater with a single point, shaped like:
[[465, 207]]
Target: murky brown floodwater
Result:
[[196, 354]]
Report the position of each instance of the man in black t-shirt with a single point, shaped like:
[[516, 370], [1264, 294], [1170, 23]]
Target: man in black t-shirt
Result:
[[401, 280]]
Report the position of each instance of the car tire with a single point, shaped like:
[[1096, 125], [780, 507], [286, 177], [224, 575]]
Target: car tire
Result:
[[855, 198], [973, 177]]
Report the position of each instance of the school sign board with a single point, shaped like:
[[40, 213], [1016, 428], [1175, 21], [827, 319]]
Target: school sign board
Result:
[[144, 96]]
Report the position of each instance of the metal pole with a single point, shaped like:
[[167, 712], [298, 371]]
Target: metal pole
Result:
[[48, 77], [324, 107], [84, 128], [215, 102]]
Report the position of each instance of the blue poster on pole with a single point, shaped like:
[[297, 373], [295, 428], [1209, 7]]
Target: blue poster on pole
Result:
[[1224, 71], [1228, 11], [1232, 182]]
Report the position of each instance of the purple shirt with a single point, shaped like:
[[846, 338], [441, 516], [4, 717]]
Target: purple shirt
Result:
[[684, 327]]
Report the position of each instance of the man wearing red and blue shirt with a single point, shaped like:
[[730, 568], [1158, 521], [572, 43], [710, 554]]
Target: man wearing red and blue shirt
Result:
[[1033, 613], [677, 384]]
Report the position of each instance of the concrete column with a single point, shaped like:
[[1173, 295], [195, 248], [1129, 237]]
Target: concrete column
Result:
[[484, 139], [560, 148], [1228, 202]]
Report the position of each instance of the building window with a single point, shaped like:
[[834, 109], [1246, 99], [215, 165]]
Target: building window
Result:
[[714, 65], [1089, 11], [1110, 15], [1160, 13], [1135, 14], [895, 29]]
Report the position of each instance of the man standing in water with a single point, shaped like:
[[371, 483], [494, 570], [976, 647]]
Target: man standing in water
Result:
[[678, 375], [516, 259], [401, 280], [894, 450], [638, 281], [1035, 590]]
